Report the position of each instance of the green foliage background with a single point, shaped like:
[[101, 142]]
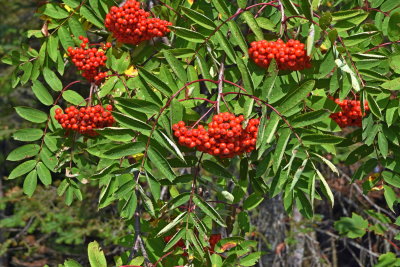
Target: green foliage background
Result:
[[103, 189]]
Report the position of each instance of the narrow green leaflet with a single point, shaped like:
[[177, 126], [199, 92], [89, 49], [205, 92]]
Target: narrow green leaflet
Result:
[[28, 134], [131, 123], [199, 18], [22, 169], [52, 80], [188, 35], [215, 169], [252, 201], [23, 152], [73, 97], [251, 21], [42, 93], [30, 183], [208, 210], [43, 173], [178, 236], [88, 14], [124, 150], [311, 139], [155, 82], [161, 163], [226, 46], [31, 114], [296, 95], [394, 26], [96, 255], [325, 187], [172, 224], [176, 65], [237, 35], [281, 147], [309, 118]]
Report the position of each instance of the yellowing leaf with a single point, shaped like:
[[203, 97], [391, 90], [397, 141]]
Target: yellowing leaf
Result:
[[131, 71]]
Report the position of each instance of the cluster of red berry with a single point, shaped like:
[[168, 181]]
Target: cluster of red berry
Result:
[[214, 239], [288, 56], [225, 136], [351, 114], [131, 25], [85, 119], [89, 60]]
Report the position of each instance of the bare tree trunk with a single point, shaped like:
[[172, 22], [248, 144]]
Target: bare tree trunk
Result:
[[296, 256]]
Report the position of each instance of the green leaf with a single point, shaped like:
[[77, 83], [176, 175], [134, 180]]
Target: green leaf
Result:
[[325, 187], [394, 26], [155, 82], [267, 24], [327, 162], [147, 202], [215, 169], [30, 183], [374, 106], [23, 152], [161, 163], [252, 201], [52, 80], [188, 35], [309, 118], [53, 10], [288, 5], [176, 66], [43, 173], [88, 14], [199, 18], [131, 123], [172, 224], [22, 169], [343, 15], [392, 84], [321, 139], [72, 3], [394, 63], [251, 259], [106, 88], [222, 9], [96, 255], [358, 154], [357, 38], [73, 97], [124, 150], [76, 26], [195, 242], [353, 227], [27, 68], [297, 95], [179, 200], [245, 73], [65, 38], [251, 21], [226, 46], [208, 210], [28, 135], [42, 93], [242, 3], [390, 196], [117, 134], [31, 114], [281, 147], [52, 47], [71, 263], [237, 35], [383, 144], [178, 236], [391, 178]]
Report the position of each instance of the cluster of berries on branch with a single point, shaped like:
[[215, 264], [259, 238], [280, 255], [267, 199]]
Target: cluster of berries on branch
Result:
[[289, 56], [131, 24], [85, 119], [351, 114], [225, 136], [213, 240], [89, 60]]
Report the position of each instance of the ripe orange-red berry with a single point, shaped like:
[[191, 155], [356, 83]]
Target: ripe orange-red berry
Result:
[[289, 56], [351, 114], [131, 24], [85, 119], [225, 136], [89, 60]]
